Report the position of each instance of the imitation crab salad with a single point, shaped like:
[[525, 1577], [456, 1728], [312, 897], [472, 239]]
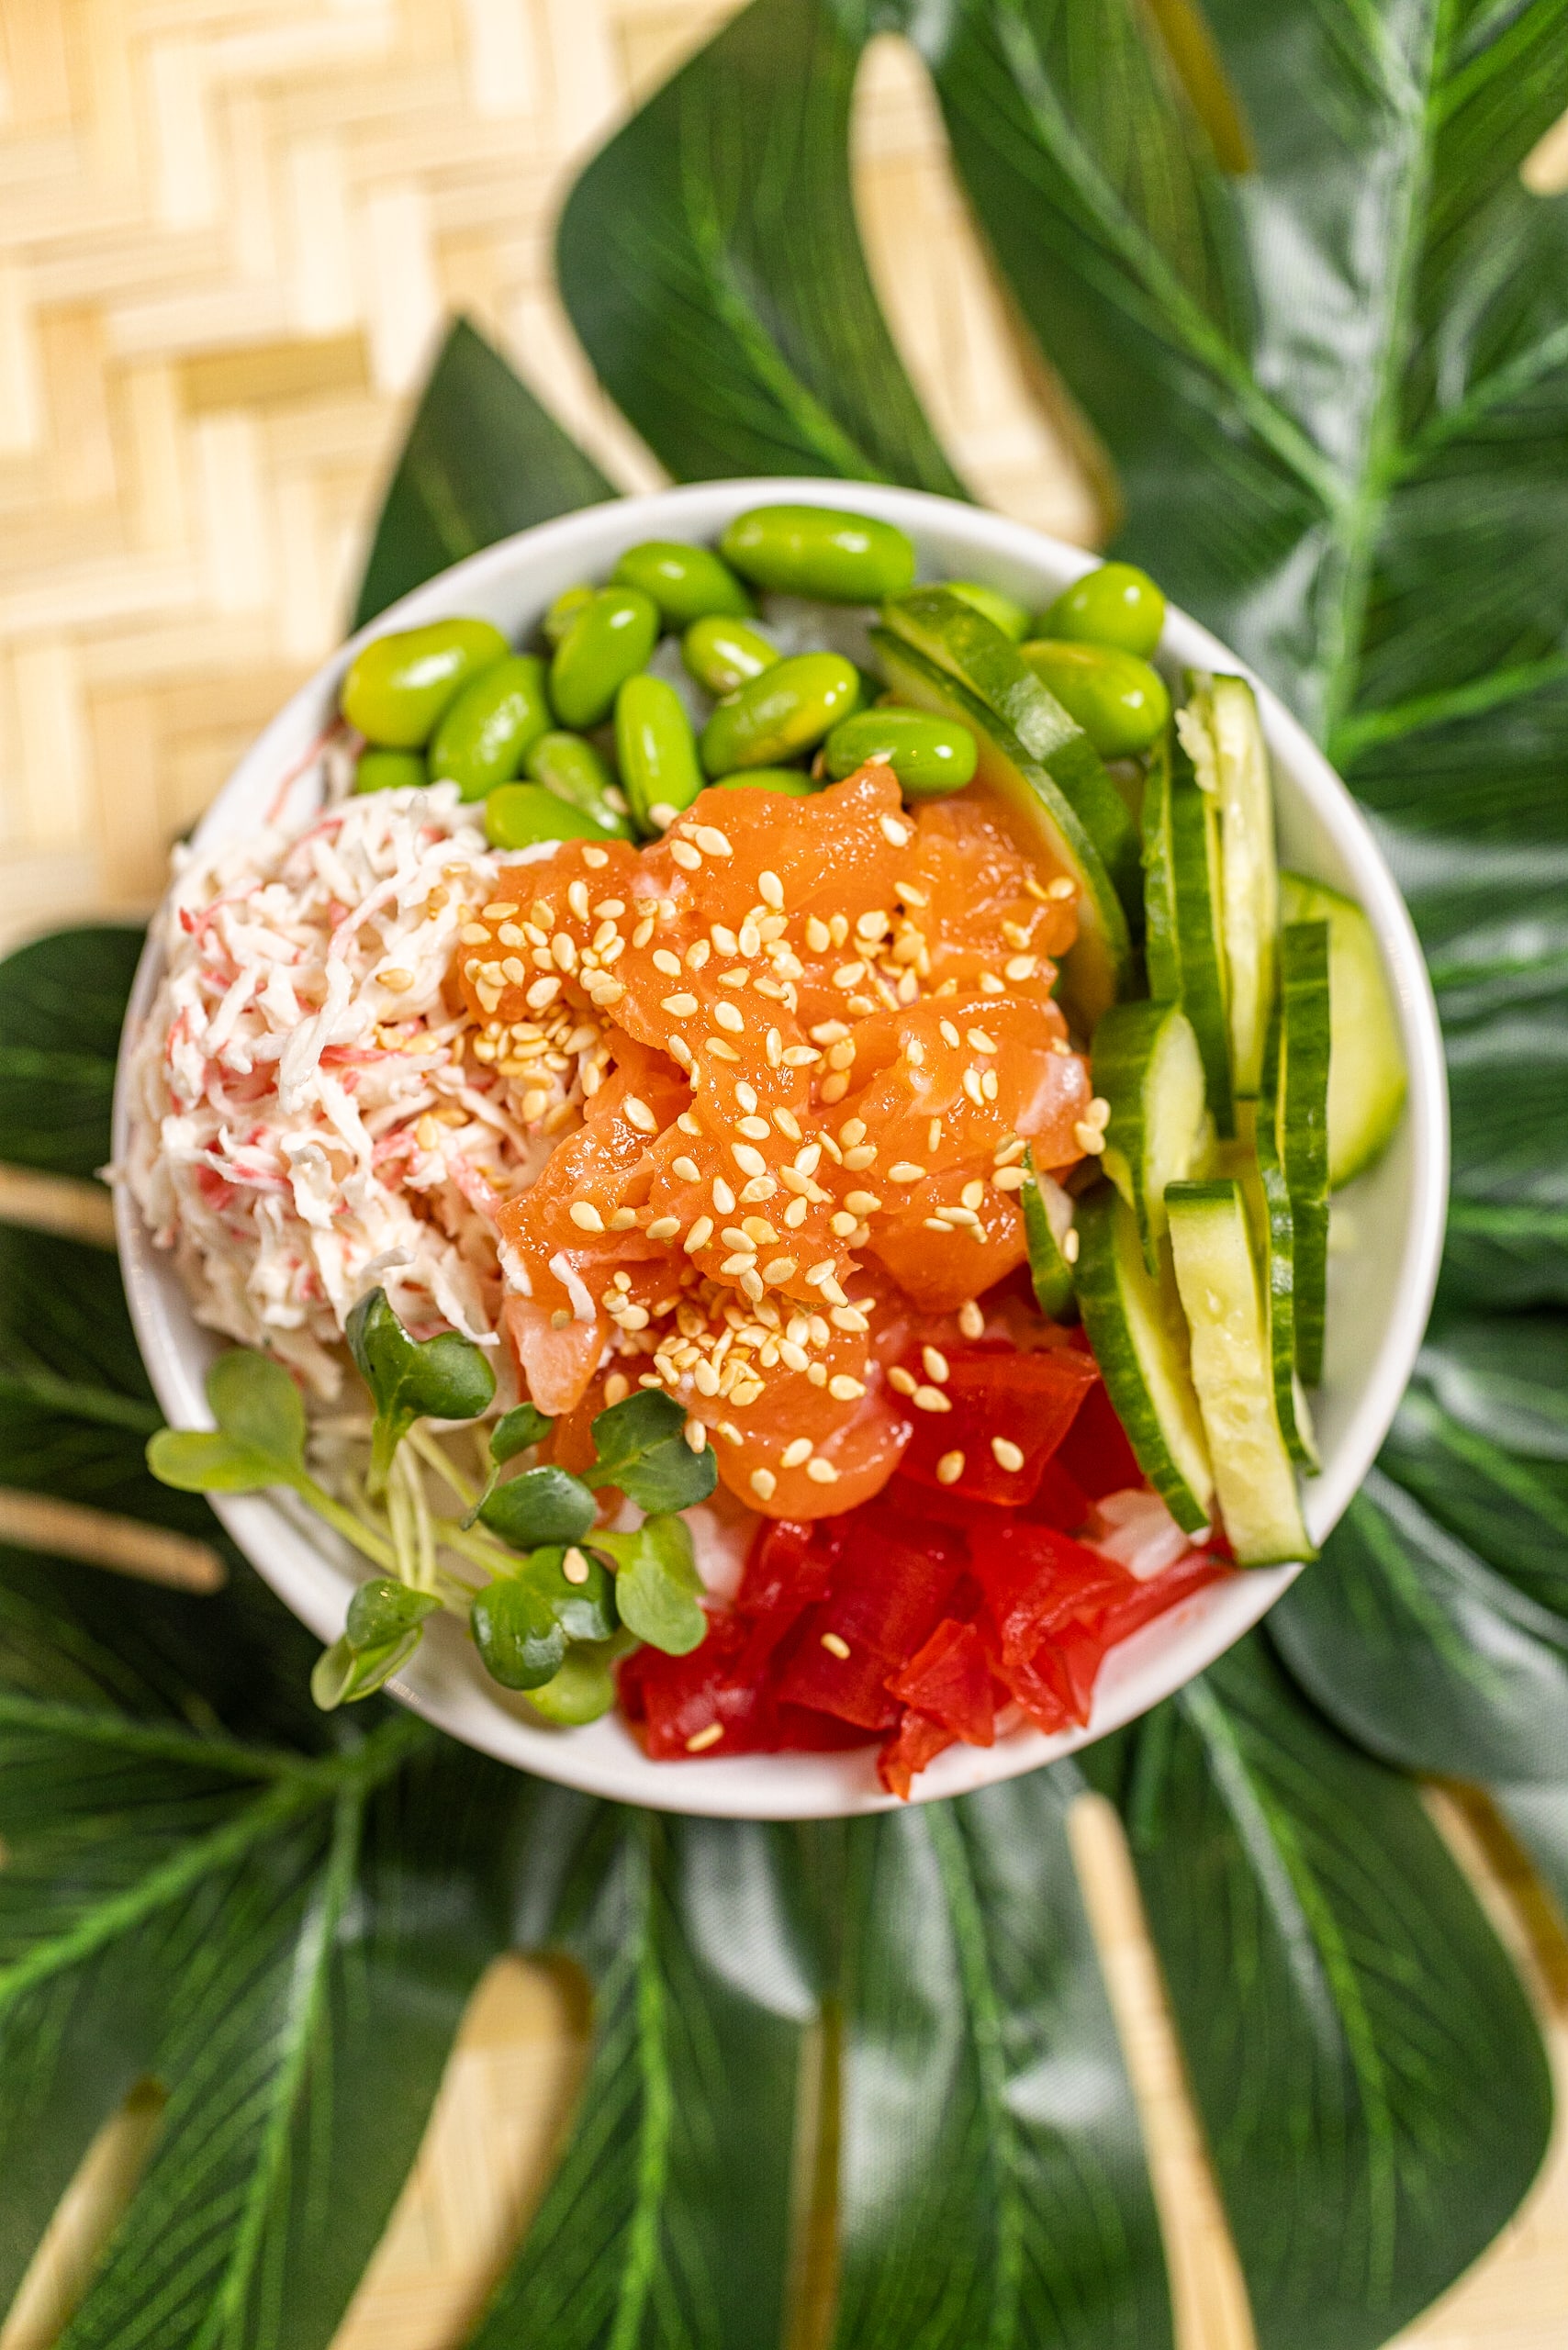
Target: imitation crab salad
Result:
[[770, 1152]]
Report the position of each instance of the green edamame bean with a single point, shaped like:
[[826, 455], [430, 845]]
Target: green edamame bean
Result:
[[568, 765], [518, 814], [583, 1689], [785, 711], [655, 750], [1118, 605], [563, 611], [1003, 611], [686, 582], [722, 653], [929, 756], [818, 550], [398, 686], [607, 641], [1121, 703], [389, 771], [793, 781], [484, 733]]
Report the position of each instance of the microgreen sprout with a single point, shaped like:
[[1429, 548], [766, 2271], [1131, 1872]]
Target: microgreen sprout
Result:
[[560, 1601]]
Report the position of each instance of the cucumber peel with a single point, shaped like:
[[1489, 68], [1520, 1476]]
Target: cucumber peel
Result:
[[1146, 1065], [1184, 862], [1097, 967], [1268, 1196], [1301, 1128], [1216, 1276], [945, 630], [1366, 1061], [1135, 1327]]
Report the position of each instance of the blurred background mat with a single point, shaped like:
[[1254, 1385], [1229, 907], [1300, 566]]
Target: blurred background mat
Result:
[[228, 234]]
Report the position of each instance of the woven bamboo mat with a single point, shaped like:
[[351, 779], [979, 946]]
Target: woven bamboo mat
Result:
[[229, 233]]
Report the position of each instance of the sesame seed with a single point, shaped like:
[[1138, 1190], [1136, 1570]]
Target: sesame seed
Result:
[[906, 1170], [861, 1204], [686, 855], [931, 1399], [741, 1262], [979, 1042], [779, 1270], [698, 954], [775, 1048], [949, 1469], [949, 1034], [699, 1740], [1090, 1140], [971, 1320], [935, 1364], [843, 1388], [755, 1129], [723, 1198], [596, 857], [729, 1015], [764, 1483], [990, 984], [639, 1115], [617, 1388], [474, 934], [574, 1566], [687, 1169], [624, 1220], [914, 1053], [972, 1193], [796, 1453], [586, 1216], [696, 1436], [1098, 1112], [862, 1156], [835, 1087], [1069, 1245], [664, 1227], [771, 889], [849, 974], [901, 1381], [500, 910], [541, 992], [1006, 1179], [1019, 968], [973, 1088], [897, 836], [663, 960], [1008, 1455], [749, 1161], [822, 1473], [677, 1048], [719, 1050], [1060, 888], [712, 842], [680, 1007], [835, 1645], [700, 1235]]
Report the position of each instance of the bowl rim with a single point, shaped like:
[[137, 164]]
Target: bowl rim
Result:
[[444, 1685]]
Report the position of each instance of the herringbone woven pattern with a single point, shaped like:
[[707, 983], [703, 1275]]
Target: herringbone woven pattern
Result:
[[229, 229]]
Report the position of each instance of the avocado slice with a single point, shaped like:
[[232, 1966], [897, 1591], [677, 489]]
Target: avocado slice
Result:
[[954, 636], [1099, 966]]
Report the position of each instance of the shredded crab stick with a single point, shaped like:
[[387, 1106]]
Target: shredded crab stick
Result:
[[823, 1037]]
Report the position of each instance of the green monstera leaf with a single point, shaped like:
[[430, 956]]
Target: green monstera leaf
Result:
[[1286, 268]]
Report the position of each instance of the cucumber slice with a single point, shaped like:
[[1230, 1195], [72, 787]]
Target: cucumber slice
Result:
[[1223, 735], [1366, 1065], [1161, 953], [1192, 850], [1267, 1198], [1140, 1344], [1146, 1065], [1098, 966], [943, 629], [1052, 1243], [1303, 1127], [1216, 1276]]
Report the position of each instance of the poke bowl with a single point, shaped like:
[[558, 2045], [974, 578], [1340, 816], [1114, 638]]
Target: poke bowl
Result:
[[1169, 1032]]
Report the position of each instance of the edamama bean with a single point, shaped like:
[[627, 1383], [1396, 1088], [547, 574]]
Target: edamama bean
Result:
[[568, 765], [1003, 611], [398, 686], [723, 654], [818, 550], [655, 750], [793, 781], [929, 756], [563, 611], [686, 582], [607, 641], [518, 814], [389, 771], [484, 734], [785, 711], [1121, 703], [1118, 605]]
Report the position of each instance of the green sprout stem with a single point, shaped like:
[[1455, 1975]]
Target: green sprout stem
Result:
[[436, 1456]]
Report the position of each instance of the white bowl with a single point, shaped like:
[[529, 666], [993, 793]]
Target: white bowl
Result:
[[1389, 1225]]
